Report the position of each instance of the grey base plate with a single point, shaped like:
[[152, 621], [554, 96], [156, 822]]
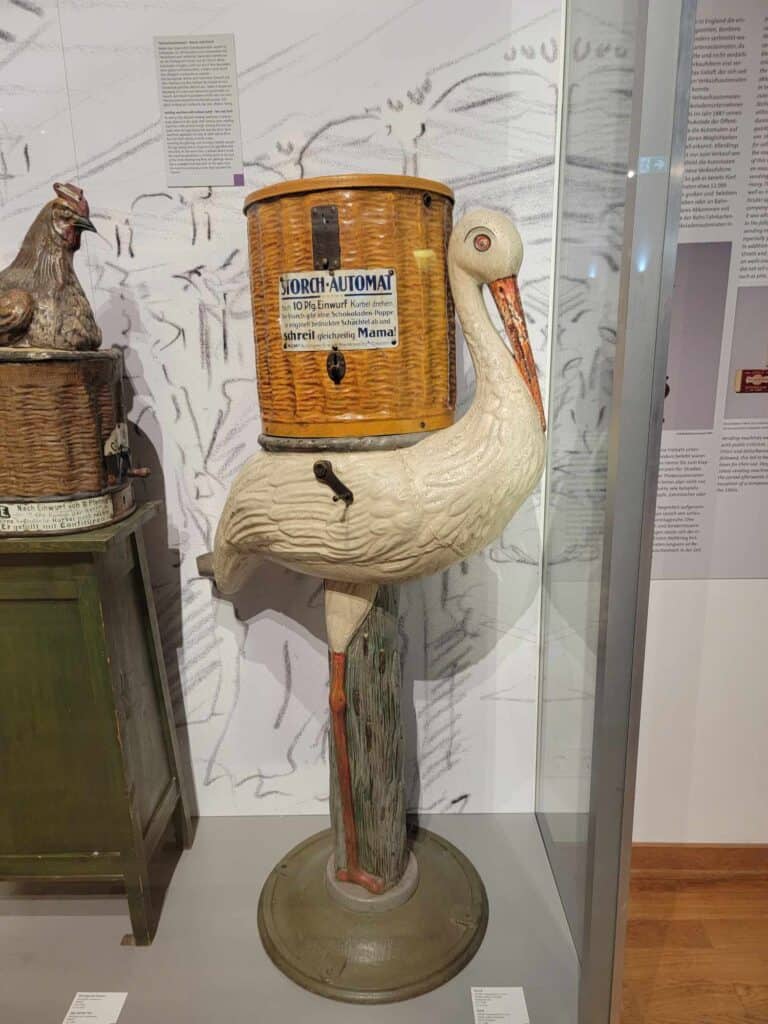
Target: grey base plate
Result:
[[373, 958]]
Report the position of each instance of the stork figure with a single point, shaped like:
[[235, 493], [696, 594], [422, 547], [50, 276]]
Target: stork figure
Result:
[[411, 511]]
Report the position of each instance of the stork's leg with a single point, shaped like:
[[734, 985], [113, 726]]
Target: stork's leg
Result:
[[338, 701]]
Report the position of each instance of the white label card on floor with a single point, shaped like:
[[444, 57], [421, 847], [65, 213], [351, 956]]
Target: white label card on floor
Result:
[[499, 1006], [96, 1008]]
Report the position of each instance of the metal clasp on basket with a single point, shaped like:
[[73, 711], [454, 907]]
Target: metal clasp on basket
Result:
[[336, 365], [326, 247]]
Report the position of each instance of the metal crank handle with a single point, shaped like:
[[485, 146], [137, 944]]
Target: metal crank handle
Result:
[[324, 473]]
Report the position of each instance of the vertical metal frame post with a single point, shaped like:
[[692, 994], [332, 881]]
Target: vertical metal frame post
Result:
[[659, 118]]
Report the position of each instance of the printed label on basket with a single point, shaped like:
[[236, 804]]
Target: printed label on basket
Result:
[[499, 1006], [55, 516], [348, 309], [96, 1008]]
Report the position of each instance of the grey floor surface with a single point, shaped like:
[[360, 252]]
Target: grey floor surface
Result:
[[207, 966]]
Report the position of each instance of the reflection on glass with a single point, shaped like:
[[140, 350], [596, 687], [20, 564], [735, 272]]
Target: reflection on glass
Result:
[[592, 191]]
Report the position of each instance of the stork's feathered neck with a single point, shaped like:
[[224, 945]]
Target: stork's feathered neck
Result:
[[496, 375]]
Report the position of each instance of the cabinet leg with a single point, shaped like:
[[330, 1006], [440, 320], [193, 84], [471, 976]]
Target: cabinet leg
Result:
[[182, 825], [139, 895]]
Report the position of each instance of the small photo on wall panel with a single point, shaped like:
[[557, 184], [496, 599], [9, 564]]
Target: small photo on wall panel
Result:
[[696, 333], [748, 377]]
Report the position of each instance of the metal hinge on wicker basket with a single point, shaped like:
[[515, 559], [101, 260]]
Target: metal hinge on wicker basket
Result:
[[64, 454]]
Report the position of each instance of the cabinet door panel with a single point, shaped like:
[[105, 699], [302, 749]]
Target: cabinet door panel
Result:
[[59, 773], [148, 762]]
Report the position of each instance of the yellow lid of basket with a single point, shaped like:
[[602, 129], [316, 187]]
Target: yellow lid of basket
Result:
[[337, 181]]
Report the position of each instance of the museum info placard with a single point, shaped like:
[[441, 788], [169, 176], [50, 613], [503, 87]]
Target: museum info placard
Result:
[[713, 476], [197, 80]]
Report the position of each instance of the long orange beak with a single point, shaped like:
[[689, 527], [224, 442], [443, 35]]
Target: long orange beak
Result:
[[506, 295]]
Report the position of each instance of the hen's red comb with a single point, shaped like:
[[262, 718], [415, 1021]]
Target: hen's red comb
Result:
[[73, 197]]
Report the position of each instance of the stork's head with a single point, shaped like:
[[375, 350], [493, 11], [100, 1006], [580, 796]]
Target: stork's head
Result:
[[486, 247]]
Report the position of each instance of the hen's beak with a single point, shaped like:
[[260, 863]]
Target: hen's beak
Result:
[[83, 223], [506, 295]]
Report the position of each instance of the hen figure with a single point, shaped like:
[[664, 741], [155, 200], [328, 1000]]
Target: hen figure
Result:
[[42, 304]]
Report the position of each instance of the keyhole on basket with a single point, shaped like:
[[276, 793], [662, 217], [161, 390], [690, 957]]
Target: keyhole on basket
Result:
[[336, 365]]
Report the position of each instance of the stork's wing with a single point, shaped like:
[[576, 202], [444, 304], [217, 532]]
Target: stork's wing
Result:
[[278, 509]]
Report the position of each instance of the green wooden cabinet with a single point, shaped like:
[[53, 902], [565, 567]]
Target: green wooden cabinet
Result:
[[89, 762]]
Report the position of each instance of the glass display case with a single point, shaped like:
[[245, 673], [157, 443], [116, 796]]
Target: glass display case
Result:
[[522, 665], [620, 181]]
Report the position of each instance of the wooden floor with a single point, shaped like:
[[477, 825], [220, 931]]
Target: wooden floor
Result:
[[697, 943]]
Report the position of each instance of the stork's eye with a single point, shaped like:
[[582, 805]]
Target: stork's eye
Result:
[[482, 243]]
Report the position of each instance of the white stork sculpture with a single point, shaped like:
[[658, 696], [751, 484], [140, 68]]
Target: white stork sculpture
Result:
[[414, 511]]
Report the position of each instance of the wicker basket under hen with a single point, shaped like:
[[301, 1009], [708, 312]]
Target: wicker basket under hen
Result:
[[353, 316], [63, 441]]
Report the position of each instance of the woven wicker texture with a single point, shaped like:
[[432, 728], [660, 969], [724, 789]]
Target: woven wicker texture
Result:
[[384, 391], [55, 417]]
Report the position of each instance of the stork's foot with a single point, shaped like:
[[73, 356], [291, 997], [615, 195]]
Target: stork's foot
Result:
[[359, 877]]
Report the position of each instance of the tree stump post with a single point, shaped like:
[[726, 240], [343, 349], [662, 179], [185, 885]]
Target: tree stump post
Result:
[[319, 929], [376, 746]]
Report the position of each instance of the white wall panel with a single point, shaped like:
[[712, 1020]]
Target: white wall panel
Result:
[[462, 93], [703, 754]]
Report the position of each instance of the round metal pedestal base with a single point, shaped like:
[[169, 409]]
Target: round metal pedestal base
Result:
[[373, 958]]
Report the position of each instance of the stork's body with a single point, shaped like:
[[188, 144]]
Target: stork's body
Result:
[[416, 510]]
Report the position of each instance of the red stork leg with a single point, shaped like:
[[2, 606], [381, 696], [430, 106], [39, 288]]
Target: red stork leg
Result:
[[338, 701]]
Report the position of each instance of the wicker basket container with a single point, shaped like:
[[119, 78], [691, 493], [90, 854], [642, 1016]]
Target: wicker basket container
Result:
[[63, 441], [353, 316]]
